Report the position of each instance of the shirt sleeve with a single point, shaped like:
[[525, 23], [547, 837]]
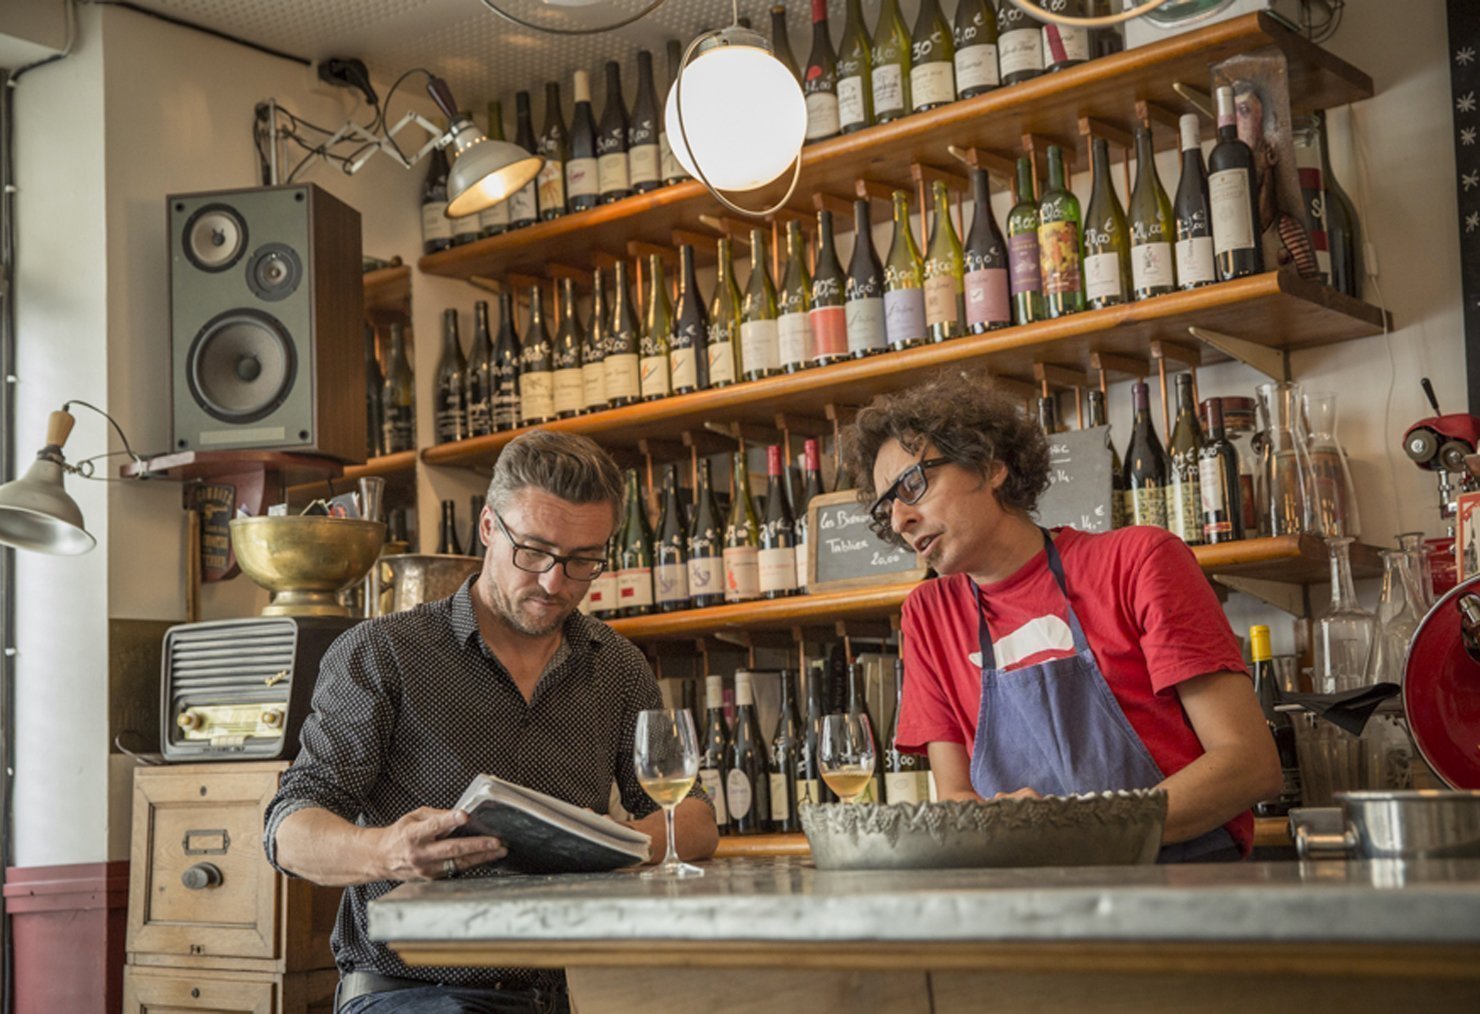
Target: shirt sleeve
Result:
[[1184, 630], [343, 741], [925, 714]]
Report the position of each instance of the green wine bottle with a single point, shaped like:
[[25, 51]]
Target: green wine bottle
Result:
[[760, 350], [1024, 270], [742, 539], [1058, 241], [855, 72], [623, 344], [724, 323], [975, 35], [904, 282], [670, 550], [891, 68], [1153, 227], [1184, 501], [820, 79], [945, 269], [654, 354], [1106, 239], [793, 301], [932, 59], [635, 555], [706, 569]]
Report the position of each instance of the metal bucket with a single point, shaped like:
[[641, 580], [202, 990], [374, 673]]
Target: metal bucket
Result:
[[409, 579], [1417, 824]]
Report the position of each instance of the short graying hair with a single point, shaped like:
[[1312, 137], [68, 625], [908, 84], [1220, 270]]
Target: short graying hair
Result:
[[566, 465]]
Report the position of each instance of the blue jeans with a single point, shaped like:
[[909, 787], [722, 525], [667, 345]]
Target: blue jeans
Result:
[[458, 1000]]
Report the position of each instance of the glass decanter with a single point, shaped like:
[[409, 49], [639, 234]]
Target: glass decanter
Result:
[[1286, 465], [1333, 496], [1420, 567], [1345, 633], [1398, 616]]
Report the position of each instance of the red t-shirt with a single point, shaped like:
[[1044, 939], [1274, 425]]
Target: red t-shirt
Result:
[[1149, 614]]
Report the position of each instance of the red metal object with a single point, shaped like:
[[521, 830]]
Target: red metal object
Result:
[[1441, 687], [68, 925], [1442, 441]]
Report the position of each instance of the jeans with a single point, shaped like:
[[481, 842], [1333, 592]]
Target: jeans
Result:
[[458, 1000]]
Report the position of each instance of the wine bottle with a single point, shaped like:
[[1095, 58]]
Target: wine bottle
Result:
[[623, 369], [602, 595], [864, 290], [891, 69], [1343, 232], [723, 342], [668, 163], [570, 382], [494, 219], [1024, 270], [932, 59], [688, 357], [906, 775], [614, 180], [820, 80], [1194, 224], [654, 352], [988, 303], [1145, 466], [858, 705], [451, 410], [505, 412], [1152, 226], [474, 546], [524, 205], [786, 755], [465, 228], [748, 781], [1048, 415], [670, 552], [781, 41], [714, 760], [478, 385], [1281, 726], [536, 366], [1233, 198], [828, 317], [778, 545], [593, 352], [793, 330], [811, 487], [644, 152], [1064, 46], [975, 35], [635, 555], [706, 543], [1059, 242], [1107, 255], [810, 789], [374, 399], [447, 543], [1222, 511], [1095, 416], [1184, 503], [1019, 44], [904, 282], [945, 268], [855, 72], [436, 227], [760, 343], [742, 539], [558, 150], [583, 172]]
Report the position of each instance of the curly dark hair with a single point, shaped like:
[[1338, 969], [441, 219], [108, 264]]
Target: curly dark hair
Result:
[[969, 422]]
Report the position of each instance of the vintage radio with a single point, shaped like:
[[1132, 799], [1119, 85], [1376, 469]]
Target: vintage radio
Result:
[[1178, 16], [239, 689]]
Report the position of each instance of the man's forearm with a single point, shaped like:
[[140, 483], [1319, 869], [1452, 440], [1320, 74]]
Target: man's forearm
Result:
[[327, 849], [1208, 793]]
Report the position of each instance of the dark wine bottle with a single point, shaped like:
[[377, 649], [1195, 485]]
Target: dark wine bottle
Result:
[[1064, 46], [714, 758], [583, 172], [811, 487], [706, 543], [507, 356], [635, 555], [723, 341], [748, 780], [891, 69], [864, 290], [1059, 249], [494, 219], [623, 370], [781, 42], [988, 302], [670, 551], [1107, 255], [478, 387], [945, 269], [906, 775], [447, 543], [811, 790], [465, 228], [536, 366], [668, 163], [1019, 44], [1094, 403], [570, 382], [904, 282], [436, 227], [1233, 198], [1146, 477], [644, 154], [778, 555], [760, 345], [1153, 226], [1190, 209], [932, 59], [1281, 726], [975, 33], [742, 539], [451, 410], [1048, 415], [602, 595], [374, 399], [855, 72], [398, 399], [614, 178], [793, 329], [858, 705], [786, 755], [593, 352], [1343, 233], [820, 79], [656, 332], [1184, 503], [1024, 267], [556, 148], [1222, 511], [688, 357], [524, 204], [474, 545], [827, 317]]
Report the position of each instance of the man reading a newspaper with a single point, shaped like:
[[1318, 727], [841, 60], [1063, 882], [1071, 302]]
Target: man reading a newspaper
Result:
[[504, 678]]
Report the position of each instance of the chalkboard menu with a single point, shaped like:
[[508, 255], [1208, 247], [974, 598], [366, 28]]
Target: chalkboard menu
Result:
[[1081, 477], [844, 553]]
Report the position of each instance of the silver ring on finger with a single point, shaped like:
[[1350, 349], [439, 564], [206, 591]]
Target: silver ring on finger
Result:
[[449, 867]]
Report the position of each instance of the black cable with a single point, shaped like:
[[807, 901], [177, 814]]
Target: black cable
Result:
[[116, 428], [385, 108]]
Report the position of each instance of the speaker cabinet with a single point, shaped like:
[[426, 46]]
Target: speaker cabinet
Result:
[[266, 304]]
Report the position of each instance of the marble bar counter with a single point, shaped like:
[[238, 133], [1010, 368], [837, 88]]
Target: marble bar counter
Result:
[[778, 934]]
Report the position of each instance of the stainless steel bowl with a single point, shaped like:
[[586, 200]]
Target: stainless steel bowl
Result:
[[1415, 824]]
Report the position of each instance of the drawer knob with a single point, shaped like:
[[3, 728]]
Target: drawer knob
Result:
[[201, 876]]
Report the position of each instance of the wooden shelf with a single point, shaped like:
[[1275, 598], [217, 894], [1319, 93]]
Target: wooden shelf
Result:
[[280, 466], [388, 294], [1276, 309], [1292, 559], [1049, 107], [398, 470]]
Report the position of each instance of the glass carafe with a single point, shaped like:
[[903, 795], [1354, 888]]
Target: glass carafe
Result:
[[1286, 464], [1346, 633], [1333, 497], [1398, 616], [1420, 568]]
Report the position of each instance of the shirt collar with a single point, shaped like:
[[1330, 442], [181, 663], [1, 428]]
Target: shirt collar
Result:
[[581, 632]]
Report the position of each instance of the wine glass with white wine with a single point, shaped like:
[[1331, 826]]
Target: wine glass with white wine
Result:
[[665, 753], [847, 754]]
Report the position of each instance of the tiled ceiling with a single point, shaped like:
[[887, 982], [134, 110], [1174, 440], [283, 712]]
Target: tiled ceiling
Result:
[[481, 55]]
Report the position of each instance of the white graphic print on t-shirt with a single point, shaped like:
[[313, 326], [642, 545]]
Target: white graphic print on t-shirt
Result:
[[1044, 634]]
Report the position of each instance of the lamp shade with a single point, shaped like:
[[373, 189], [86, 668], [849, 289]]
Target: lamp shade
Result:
[[744, 114], [36, 513], [487, 172]]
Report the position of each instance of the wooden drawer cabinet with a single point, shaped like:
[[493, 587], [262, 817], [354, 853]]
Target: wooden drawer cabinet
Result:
[[173, 990], [201, 892]]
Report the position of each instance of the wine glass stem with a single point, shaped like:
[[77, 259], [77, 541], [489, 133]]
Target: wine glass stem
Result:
[[670, 858]]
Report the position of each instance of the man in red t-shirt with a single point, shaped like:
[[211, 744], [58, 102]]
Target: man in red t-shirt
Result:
[[1055, 662]]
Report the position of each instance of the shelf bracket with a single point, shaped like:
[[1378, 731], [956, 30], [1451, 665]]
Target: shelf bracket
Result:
[[1273, 363], [1196, 98], [841, 207], [873, 190], [738, 231], [1000, 169], [1289, 598]]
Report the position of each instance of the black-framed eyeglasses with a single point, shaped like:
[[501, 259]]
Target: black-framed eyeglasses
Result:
[[541, 561], [908, 488]]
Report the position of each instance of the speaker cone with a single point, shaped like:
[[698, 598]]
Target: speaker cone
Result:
[[215, 237], [241, 366], [274, 271]]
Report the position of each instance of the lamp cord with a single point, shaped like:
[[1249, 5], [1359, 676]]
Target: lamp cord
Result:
[[117, 429]]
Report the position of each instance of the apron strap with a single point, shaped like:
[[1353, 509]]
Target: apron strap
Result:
[[1055, 567]]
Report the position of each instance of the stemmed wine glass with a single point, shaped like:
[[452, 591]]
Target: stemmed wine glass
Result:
[[665, 753], [847, 754]]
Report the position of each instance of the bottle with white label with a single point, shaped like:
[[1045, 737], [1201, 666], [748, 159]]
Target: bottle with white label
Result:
[[864, 290], [536, 366], [778, 555], [748, 781], [1064, 46], [904, 282], [811, 488], [1233, 198], [644, 153], [760, 345], [570, 381], [524, 205], [670, 549], [1190, 210], [975, 35], [1019, 44], [555, 149], [988, 304], [855, 72], [688, 359], [583, 170], [906, 775], [786, 754], [593, 351], [891, 64], [668, 164], [945, 270], [635, 555], [623, 343], [706, 570], [828, 317], [436, 227], [932, 59], [601, 598], [820, 80], [724, 322], [714, 758], [742, 539], [1107, 268], [494, 219], [614, 181], [653, 358], [1152, 226], [793, 301]]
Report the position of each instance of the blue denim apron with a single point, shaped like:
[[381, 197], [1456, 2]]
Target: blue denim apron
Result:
[[1057, 728]]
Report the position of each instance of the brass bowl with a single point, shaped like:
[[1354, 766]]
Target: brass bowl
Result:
[[305, 560]]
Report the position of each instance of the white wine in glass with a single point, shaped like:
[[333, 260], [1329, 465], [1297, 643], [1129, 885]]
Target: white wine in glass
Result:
[[847, 754], [665, 754]]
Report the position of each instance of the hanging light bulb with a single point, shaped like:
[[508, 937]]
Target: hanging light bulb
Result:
[[743, 117]]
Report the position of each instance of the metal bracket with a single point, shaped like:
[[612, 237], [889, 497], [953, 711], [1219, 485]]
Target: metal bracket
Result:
[[1289, 598], [1273, 363]]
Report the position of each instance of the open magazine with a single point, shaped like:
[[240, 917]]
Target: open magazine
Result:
[[548, 835]]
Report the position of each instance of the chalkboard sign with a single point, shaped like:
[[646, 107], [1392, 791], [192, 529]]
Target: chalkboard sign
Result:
[[1081, 477], [842, 552]]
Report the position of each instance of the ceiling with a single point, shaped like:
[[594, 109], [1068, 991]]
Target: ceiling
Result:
[[481, 55]]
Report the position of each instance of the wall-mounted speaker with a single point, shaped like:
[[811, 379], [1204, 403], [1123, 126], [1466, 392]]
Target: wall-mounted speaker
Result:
[[266, 303]]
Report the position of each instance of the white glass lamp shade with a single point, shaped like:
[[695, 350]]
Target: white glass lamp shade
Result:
[[744, 113]]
